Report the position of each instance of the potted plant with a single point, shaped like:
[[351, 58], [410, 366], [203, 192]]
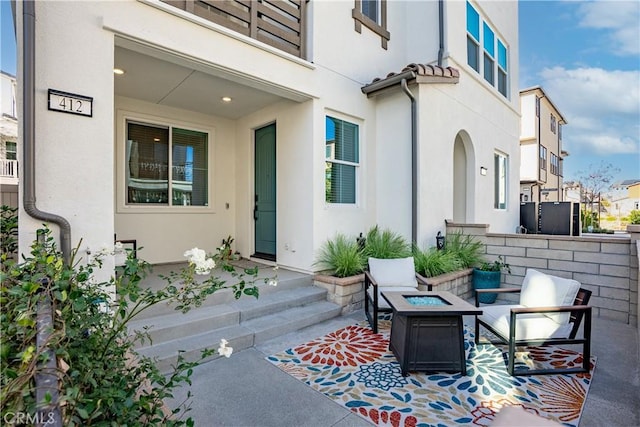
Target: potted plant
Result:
[[487, 276]]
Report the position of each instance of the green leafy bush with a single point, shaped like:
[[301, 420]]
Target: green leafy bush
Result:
[[496, 265], [385, 244], [634, 217], [102, 380], [342, 255], [8, 232]]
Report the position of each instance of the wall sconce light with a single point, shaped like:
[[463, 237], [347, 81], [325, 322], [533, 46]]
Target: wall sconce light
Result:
[[483, 170]]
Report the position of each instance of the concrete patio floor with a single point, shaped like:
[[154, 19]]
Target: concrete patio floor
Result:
[[246, 390]]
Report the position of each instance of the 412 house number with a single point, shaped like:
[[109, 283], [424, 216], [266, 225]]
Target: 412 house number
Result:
[[71, 103]]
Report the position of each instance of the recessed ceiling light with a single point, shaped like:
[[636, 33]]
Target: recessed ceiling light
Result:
[[118, 71], [226, 99]]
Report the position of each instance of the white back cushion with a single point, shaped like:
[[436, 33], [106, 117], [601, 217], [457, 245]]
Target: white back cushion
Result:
[[393, 272], [545, 290]]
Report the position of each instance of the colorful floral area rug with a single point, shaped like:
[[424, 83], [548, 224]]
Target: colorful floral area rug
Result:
[[355, 367]]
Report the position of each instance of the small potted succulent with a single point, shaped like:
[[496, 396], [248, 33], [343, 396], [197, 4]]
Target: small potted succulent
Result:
[[487, 276]]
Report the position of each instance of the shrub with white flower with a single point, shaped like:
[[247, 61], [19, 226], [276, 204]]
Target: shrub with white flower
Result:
[[225, 350], [199, 259]]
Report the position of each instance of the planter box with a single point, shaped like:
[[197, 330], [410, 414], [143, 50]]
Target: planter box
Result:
[[457, 282], [347, 292]]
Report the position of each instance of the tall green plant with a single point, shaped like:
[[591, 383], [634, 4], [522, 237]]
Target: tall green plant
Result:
[[342, 255], [101, 375], [432, 262], [385, 244], [465, 247]]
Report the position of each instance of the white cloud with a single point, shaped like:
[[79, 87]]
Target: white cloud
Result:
[[622, 18], [593, 91], [606, 144]]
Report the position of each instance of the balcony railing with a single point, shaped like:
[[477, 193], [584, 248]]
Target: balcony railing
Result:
[[278, 23], [8, 168]]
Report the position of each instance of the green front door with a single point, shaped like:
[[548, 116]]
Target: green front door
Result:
[[264, 211]]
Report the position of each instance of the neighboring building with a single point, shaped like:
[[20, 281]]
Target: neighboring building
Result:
[[542, 156], [625, 197], [8, 141], [279, 123]]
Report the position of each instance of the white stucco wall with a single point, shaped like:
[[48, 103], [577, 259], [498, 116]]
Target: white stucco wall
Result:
[[81, 62], [528, 111], [80, 160]]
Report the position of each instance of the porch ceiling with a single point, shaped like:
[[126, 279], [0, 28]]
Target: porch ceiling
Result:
[[176, 82]]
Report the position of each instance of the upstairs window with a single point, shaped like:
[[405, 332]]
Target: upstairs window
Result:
[[373, 15], [500, 181], [342, 161], [543, 157], [473, 38], [166, 166], [553, 123], [11, 150], [502, 69], [489, 53], [495, 54], [555, 164]]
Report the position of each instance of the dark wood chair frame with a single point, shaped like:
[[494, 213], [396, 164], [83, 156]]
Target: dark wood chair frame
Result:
[[578, 310], [371, 308]]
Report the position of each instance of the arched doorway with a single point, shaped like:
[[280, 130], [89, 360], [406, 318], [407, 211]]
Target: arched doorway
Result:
[[463, 160]]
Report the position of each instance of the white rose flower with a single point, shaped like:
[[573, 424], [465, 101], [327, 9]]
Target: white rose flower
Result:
[[224, 350]]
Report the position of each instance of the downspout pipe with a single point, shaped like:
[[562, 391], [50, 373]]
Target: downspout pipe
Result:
[[441, 31], [28, 126], [414, 162]]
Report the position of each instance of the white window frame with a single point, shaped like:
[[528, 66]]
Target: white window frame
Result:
[[121, 169], [501, 203], [359, 123]]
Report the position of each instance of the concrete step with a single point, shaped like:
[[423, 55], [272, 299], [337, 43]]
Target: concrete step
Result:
[[275, 302], [240, 336], [267, 327], [287, 280]]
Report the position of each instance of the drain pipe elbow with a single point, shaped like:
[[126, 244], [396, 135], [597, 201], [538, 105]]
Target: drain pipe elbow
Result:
[[414, 162], [28, 126]]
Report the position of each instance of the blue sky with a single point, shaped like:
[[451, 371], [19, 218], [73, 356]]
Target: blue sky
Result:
[[584, 54], [586, 57]]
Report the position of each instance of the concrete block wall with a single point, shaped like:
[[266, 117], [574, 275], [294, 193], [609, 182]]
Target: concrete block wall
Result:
[[607, 265]]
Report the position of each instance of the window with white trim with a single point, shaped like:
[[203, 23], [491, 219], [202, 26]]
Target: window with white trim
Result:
[[500, 181], [495, 52], [166, 165], [543, 157], [342, 160]]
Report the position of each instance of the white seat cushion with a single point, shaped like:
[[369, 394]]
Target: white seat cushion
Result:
[[382, 303], [545, 290], [393, 272], [528, 326]]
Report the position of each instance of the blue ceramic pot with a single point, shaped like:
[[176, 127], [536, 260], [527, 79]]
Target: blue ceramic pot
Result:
[[486, 280]]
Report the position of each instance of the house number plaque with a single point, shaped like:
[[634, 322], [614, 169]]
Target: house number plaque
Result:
[[71, 103]]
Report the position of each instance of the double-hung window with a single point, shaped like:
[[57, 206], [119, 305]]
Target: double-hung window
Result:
[[500, 181], [489, 53], [342, 160], [473, 38], [11, 150], [166, 165], [543, 157], [502, 69], [552, 119]]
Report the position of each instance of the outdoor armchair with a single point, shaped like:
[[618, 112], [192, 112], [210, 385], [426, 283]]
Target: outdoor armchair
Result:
[[386, 275], [549, 312]]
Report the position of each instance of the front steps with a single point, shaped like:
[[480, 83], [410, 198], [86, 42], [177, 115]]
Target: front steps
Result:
[[294, 304]]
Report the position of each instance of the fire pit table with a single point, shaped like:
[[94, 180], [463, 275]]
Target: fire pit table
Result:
[[427, 332]]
